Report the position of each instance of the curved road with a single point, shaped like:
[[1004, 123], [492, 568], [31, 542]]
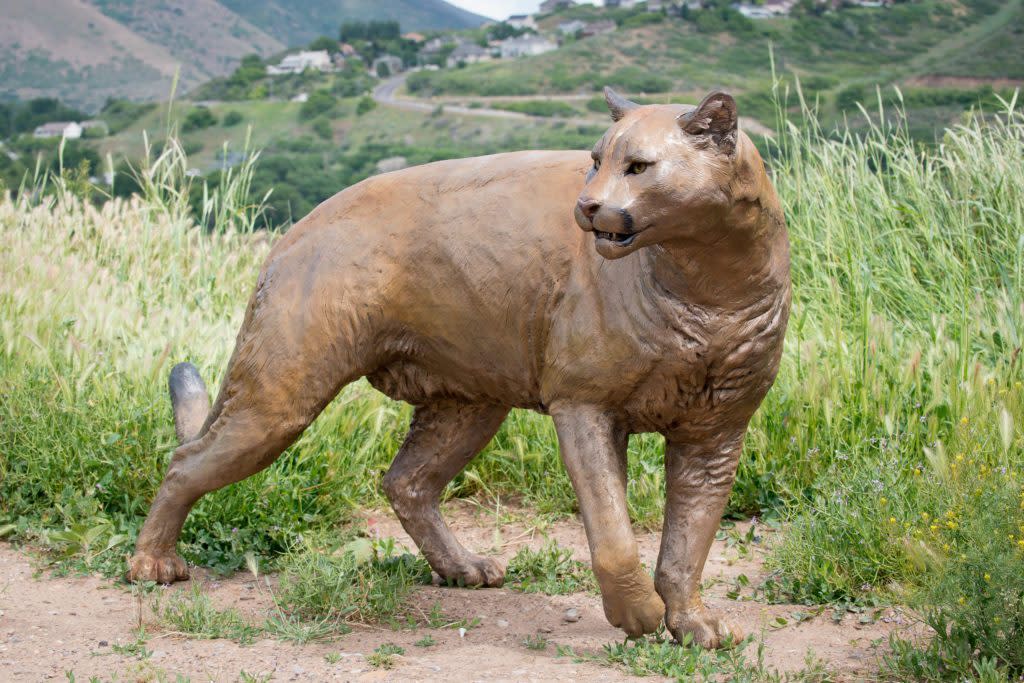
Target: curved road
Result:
[[385, 93]]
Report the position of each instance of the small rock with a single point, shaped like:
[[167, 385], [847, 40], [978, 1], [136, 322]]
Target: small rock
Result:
[[572, 615], [543, 629], [157, 654], [501, 623], [298, 670], [104, 643]]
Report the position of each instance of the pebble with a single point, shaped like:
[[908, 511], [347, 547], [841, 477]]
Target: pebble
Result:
[[572, 615], [501, 623]]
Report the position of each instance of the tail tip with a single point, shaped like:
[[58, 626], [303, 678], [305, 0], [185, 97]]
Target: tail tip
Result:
[[185, 381]]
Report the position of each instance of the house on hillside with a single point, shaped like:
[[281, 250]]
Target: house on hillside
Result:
[[526, 46], [623, 4], [58, 129], [467, 53], [299, 62], [387, 65], [522, 21], [414, 37], [549, 6], [766, 10]]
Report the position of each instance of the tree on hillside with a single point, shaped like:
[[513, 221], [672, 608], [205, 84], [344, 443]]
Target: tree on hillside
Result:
[[325, 43], [352, 31]]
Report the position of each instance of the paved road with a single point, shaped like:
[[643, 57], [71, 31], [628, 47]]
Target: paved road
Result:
[[385, 93]]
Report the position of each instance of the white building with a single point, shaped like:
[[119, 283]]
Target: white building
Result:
[[770, 8], [571, 28], [467, 53], [299, 62], [526, 46], [59, 129], [521, 21]]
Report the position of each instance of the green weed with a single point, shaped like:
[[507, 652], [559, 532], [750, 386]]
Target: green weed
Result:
[[193, 614], [362, 582], [550, 570], [383, 657], [536, 642]]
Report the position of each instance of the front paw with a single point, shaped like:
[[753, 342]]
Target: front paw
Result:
[[704, 629], [633, 605]]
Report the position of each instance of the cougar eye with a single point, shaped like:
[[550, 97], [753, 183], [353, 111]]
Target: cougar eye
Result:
[[597, 164], [636, 168]]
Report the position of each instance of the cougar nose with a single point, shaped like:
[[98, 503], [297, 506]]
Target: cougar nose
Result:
[[588, 207]]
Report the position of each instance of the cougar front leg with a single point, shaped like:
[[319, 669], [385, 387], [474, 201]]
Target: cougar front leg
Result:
[[697, 484], [594, 452]]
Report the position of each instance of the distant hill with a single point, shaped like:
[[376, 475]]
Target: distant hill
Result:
[[85, 52], [295, 22]]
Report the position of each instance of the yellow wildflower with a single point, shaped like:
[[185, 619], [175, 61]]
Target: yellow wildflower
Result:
[[988, 577]]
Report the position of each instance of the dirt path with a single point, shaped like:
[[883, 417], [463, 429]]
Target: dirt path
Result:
[[50, 626]]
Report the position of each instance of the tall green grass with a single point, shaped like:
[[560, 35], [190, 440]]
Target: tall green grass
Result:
[[903, 352]]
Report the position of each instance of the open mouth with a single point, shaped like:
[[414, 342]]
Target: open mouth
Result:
[[622, 239]]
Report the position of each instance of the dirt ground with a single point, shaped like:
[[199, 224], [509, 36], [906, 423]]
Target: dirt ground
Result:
[[51, 626]]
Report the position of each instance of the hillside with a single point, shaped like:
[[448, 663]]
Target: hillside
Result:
[[296, 23], [839, 56], [85, 52]]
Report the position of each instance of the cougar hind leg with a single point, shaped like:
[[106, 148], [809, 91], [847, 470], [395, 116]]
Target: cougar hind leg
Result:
[[442, 439], [269, 396]]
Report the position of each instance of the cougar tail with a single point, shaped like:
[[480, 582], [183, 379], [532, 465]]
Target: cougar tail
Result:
[[189, 400]]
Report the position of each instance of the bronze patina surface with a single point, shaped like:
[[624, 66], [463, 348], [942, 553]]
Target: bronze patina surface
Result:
[[467, 288]]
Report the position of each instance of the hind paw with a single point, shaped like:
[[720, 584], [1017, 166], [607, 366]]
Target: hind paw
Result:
[[159, 567]]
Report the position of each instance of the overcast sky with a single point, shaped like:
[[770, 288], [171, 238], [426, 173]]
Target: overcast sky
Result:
[[500, 9]]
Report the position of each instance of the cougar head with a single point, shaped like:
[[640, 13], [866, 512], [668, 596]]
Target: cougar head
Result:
[[660, 173]]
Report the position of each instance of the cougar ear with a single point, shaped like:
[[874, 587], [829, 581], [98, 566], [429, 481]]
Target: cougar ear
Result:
[[618, 105], [714, 117]]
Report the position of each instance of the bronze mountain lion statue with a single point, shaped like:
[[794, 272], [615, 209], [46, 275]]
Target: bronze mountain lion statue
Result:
[[464, 288]]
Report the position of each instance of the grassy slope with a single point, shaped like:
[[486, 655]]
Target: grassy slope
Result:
[[855, 46], [277, 123]]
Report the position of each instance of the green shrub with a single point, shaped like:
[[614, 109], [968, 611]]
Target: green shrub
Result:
[[366, 105], [232, 118], [320, 102], [197, 119], [322, 127], [971, 549]]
